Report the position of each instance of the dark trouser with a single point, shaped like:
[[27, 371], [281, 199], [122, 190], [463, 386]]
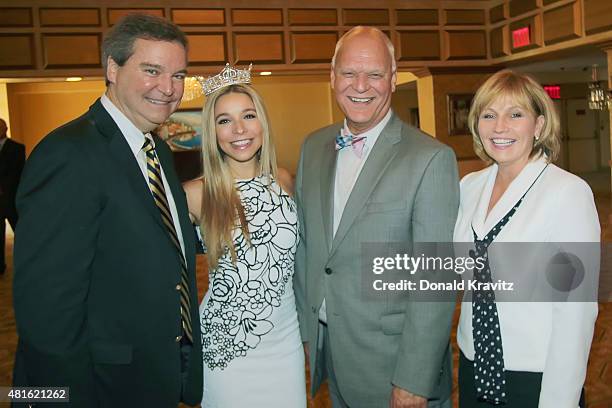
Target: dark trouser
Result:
[[523, 388]]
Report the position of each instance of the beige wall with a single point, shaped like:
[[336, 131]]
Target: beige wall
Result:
[[427, 113], [38, 108], [296, 106]]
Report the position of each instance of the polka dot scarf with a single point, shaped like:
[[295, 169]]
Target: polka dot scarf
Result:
[[489, 371]]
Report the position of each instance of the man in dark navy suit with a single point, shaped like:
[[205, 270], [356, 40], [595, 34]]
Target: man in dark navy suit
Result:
[[104, 291], [12, 157]]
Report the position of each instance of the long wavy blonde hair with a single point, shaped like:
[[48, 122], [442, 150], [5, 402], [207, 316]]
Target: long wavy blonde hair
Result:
[[221, 206]]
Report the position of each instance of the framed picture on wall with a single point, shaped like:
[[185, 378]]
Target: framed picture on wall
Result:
[[183, 130], [458, 109]]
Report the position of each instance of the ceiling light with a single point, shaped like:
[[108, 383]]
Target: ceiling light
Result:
[[599, 96], [265, 73], [74, 79]]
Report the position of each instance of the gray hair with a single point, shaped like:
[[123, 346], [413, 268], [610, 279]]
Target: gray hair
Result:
[[358, 30], [119, 41]]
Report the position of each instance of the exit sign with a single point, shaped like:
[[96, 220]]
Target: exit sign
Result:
[[554, 91], [520, 37]]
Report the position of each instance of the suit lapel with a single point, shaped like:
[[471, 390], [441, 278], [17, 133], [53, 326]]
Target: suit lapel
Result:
[[379, 158], [120, 150], [328, 171]]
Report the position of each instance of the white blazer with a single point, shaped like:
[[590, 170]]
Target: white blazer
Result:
[[551, 338]]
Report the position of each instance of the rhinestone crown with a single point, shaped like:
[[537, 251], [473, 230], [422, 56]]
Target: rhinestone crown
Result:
[[228, 76]]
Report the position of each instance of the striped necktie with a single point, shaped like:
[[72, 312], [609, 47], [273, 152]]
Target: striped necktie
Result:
[[159, 194]]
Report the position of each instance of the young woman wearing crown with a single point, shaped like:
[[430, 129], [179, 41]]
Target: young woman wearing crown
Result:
[[252, 349]]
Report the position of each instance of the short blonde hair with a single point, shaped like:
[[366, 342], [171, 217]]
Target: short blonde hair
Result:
[[528, 94]]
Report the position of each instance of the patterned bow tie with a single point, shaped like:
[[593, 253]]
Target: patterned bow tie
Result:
[[345, 139]]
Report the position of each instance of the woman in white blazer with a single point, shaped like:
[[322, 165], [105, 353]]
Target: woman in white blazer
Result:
[[522, 354]]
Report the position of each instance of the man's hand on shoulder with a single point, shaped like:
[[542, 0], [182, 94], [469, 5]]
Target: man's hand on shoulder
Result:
[[401, 398]]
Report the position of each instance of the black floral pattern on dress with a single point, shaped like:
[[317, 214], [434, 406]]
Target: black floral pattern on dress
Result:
[[243, 296]]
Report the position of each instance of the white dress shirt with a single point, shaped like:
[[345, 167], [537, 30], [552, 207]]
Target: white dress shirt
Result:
[[135, 139], [553, 338], [348, 168]]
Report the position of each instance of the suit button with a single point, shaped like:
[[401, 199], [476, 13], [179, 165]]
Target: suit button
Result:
[[178, 287], [178, 338], [328, 271], [314, 309]]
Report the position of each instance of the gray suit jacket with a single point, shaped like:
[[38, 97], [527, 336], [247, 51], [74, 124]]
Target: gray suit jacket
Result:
[[407, 191]]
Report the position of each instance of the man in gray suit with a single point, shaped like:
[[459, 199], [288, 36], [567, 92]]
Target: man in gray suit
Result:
[[391, 182]]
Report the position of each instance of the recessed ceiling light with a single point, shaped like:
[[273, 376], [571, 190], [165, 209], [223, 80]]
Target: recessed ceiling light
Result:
[[265, 73], [74, 79]]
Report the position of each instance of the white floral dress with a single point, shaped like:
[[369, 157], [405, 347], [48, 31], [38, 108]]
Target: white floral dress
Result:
[[252, 349]]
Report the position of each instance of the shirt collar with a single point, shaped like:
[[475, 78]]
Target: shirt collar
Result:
[[483, 222], [132, 134], [372, 134]]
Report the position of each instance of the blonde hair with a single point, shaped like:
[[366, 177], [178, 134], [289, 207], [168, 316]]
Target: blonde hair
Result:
[[528, 94], [221, 206]]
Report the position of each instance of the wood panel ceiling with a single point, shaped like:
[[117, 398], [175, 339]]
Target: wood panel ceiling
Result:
[[55, 38]]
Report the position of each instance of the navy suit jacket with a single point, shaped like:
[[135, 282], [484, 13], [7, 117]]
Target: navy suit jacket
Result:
[[95, 295]]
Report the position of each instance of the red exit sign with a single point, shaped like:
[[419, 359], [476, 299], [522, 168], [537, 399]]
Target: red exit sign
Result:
[[520, 37], [554, 91]]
